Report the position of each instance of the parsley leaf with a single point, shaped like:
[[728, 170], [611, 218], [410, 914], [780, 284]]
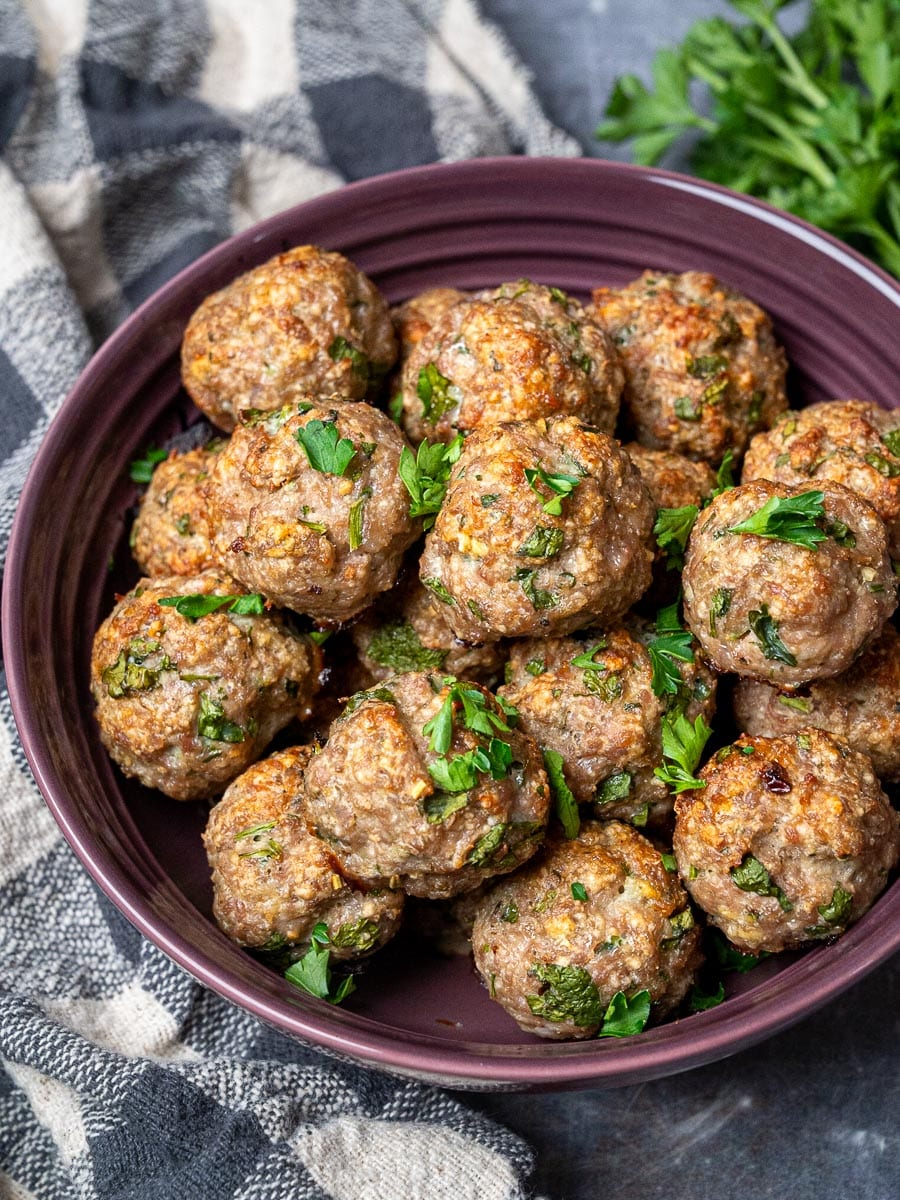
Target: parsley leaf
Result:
[[579, 892], [360, 935], [560, 484], [141, 469], [570, 994], [543, 542], [312, 972], [672, 642], [538, 597], [565, 804], [765, 630], [752, 876], [626, 1015], [131, 672], [396, 645], [724, 476], [437, 393], [683, 745], [672, 529], [326, 450], [790, 519], [199, 604], [340, 349], [214, 725], [613, 789], [355, 520], [426, 475]]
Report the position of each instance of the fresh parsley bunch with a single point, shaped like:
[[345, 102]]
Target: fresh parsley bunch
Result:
[[810, 123]]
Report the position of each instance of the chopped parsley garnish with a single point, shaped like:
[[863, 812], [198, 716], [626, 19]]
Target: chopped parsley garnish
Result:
[[791, 519], [672, 644], [355, 520], [199, 604], [477, 716], [340, 349], [626, 1015], [535, 666], [706, 365], [719, 606], [510, 912], [728, 957], [441, 805], [752, 876], [579, 892], [359, 935], [544, 542], [437, 393], [724, 475], [214, 725], [672, 529], [669, 861], [883, 465], [892, 440], [395, 408], [460, 773], [538, 597], [326, 450], [141, 469], [560, 484], [131, 672], [569, 994], [686, 410], [797, 702], [587, 660], [614, 789], [396, 645], [564, 802], [434, 585], [426, 475], [700, 999], [837, 910], [683, 745], [312, 972], [765, 630]]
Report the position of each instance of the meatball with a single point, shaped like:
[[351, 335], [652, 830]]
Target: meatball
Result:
[[853, 442], [308, 508], [524, 351], [407, 631], [186, 702], [546, 527], [414, 318], [590, 918], [171, 535], [672, 480], [592, 702], [790, 841], [703, 371], [424, 783], [273, 880], [305, 322], [861, 706], [770, 608]]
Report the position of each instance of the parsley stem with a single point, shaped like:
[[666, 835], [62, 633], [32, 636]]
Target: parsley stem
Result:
[[795, 150], [796, 75]]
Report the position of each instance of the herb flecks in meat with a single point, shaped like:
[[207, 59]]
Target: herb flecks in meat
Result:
[[396, 645], [558, 483], [341, 349], [437, 393], [425, 476], [214, 725], [752, 876], [765, 630], [565, 804], [569, 995], [131, 671], [141, 469]]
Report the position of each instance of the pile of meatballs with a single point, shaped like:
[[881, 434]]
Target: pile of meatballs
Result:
[[479, 567]]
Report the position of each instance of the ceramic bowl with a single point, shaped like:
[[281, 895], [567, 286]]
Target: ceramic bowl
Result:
[[572, 223]]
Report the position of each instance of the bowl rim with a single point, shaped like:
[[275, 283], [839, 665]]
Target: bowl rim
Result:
[[716, 1033]]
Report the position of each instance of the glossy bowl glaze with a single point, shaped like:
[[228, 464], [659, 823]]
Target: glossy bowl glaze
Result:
[[572, 223]]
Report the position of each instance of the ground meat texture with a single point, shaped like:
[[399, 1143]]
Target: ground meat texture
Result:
[[546, 527], [171, 535], [853, 442], [791, 840], [591, 701], [307, 321], [408, 631], [414, 318], [273, 880], [703, 371], [319, 530], [589, 918], [383, 800], [186, 705], [523, 352], [776, 611], [672, 480], [861, 706]]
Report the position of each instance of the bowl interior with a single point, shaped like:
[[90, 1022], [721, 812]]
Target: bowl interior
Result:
[[575, 224]]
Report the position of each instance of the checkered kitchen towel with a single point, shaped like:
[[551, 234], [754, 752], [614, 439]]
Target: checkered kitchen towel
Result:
[[136, 134]]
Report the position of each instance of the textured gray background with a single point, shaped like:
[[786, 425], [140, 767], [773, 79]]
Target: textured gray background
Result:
[[810, 1114]]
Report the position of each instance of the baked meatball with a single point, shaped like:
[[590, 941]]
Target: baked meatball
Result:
[[774, 609], [592, 702], [273, 880], [672, 480], [546, 527], [171, 535], [861, 706], [424, 783], [414, 317], [407, 631], [522, 352], [853, 442], [305, 322], [186, 703], [308, 508], [703, 371], [589, 918], [790, 841]]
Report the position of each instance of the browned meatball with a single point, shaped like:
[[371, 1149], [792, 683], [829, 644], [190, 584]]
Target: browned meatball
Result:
[[592, 702], [861, 706], [414, 317], [273, 880], [545, 528], [407, 631], [853, 442], [308, 508], [589, 918], [791, 840], [776, 610], [171, 535], [305, 322], [525, 351], [425, 784], [703, 371], [672, 480], [185, 703]]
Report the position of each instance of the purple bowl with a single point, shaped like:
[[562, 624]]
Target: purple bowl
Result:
[[573, 223]]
